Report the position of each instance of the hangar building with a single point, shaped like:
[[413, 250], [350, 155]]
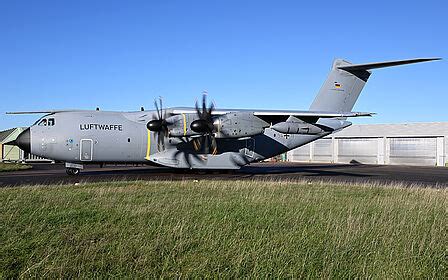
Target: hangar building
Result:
[[11, 153], [403, 144], [8, 151]]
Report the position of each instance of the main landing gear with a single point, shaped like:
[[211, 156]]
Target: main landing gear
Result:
[[73, 169]]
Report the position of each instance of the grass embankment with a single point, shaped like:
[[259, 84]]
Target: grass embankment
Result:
[[4, 167], [250, 229]]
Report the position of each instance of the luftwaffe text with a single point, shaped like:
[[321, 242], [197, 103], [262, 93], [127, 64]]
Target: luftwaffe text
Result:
[[96, 126]]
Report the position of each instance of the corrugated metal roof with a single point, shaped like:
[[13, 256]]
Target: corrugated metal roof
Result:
[[10, 134], [5, 133], [395, 130]]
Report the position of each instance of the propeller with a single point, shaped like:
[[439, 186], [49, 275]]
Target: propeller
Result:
[[187, 150], [204, 125], [159, 124]]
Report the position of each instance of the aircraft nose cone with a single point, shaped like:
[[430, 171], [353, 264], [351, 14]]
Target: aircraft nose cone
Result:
[[23, 141]]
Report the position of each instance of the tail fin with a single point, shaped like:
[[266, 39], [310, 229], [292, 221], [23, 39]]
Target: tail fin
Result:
[[346, 81]]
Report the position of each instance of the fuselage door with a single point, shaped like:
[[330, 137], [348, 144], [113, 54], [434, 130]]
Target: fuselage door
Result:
[[86, 150]]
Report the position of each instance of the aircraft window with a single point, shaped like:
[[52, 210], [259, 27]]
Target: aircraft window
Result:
[[43, 122], [50, 122]]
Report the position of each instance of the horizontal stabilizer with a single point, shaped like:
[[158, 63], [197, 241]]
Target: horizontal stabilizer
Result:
[[375, 65]]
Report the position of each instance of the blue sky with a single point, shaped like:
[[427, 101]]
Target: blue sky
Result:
[[120, 55]]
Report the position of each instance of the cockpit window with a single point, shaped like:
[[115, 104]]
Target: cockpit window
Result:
[[43, 122], [47, 122]]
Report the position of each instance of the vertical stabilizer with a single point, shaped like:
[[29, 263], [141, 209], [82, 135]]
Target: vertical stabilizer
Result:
[[346, 81], [341, 89]]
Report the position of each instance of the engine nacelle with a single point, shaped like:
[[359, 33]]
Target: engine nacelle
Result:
[[180, 125], [230, 125], [289, 127], [238, 124]]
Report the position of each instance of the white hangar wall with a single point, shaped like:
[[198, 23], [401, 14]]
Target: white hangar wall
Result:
[[403, 144]]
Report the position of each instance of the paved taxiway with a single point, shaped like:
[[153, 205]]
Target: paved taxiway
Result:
[[405, 175]]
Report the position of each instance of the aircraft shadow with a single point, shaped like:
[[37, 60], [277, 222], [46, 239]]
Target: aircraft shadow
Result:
[[302, 171], [244, 172]]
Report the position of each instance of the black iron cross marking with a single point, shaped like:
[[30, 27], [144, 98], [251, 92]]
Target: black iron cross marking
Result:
[[286, 136]]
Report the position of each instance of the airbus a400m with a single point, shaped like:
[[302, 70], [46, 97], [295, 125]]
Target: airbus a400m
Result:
[[198, 138]]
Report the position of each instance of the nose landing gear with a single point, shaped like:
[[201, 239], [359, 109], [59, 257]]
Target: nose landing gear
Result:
[[73, 168], [72, 171]]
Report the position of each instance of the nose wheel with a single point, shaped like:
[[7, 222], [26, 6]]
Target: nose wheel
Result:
[[72, 171], [73, 168]]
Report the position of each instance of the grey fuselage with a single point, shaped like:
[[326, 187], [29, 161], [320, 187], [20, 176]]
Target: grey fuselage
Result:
[[84, 137]]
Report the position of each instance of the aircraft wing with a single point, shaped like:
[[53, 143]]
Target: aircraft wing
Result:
[[307, 116], [43, 112], [282, 115], [319, 114]]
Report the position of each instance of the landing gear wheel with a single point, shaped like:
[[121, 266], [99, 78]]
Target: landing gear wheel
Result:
[[72, 171]]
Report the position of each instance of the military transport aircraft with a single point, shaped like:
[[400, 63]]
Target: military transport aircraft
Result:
[[201, 137]]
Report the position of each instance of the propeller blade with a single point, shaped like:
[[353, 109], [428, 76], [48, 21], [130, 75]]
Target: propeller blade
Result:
[[157, 109], [211, 109], [204, 106], [214, 145], [162, 113], [187, 149], [198, 111], [204, 144], [161, 140], [197, 144]]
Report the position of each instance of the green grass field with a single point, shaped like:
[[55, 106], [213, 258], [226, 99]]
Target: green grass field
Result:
[[229, 229], [4, 167]]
